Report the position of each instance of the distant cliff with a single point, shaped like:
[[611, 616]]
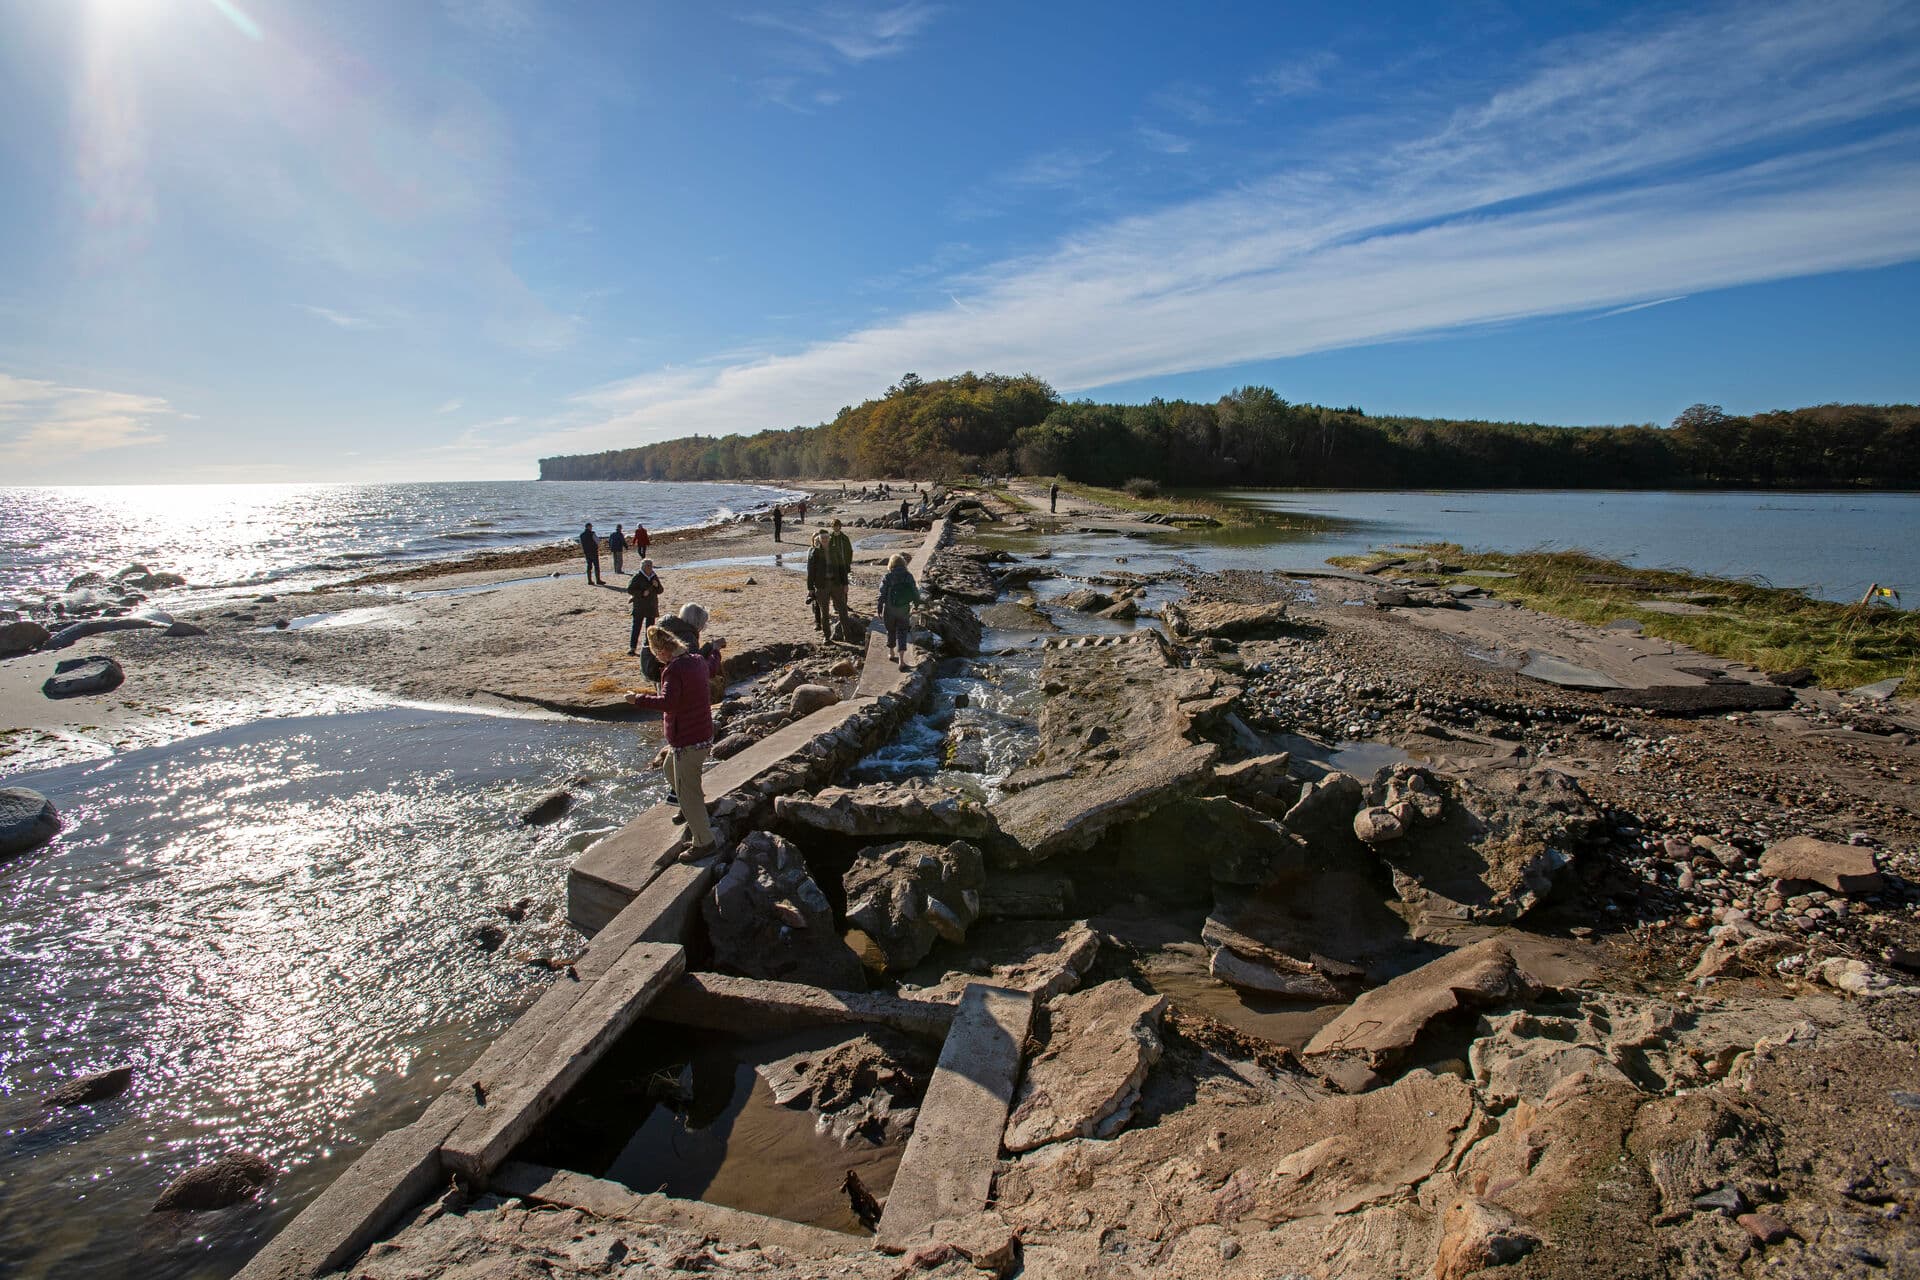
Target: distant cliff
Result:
[[998, 424]]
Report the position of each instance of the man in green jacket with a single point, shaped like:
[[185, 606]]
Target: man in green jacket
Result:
[[839, 571]]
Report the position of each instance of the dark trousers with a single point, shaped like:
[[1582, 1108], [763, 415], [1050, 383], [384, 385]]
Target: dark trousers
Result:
[[897, 631], [593, 570], [641, 621], [618, 552]]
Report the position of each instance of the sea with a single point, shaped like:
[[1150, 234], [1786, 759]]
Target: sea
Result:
[[237, 537], [284, 926]]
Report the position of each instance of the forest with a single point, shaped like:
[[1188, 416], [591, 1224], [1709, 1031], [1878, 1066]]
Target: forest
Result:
[[995, 424]]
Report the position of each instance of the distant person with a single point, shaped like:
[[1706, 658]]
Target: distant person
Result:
[[617, 544], [801, 516], [639, 538], [840, 571], [776, 522], [904, 504], [898, 594], [685, 705], [1053, 498], [820, 583], [590, 548], [643, 589]]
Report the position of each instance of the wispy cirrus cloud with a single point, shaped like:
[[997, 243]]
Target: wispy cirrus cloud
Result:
[[1607, 174], [44, 422], [339, 319], [854, 33], [1293, 77], [1641, 306], [1059, 167]]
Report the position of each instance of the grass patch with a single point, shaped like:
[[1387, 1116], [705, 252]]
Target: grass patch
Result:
[[1773, 628], [1013, 500], [1226, 513]]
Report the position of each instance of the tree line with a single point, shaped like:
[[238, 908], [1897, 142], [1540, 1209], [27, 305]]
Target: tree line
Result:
[[995, 424]]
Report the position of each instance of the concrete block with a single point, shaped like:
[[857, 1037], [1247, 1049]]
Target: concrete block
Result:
[[947, 1169], [719, 1002]]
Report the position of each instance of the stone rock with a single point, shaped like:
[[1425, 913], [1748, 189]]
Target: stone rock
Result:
[[68, 636], [1739, 949], [843, 668], [21, 637], [1123, 611], [1505, 836], [1047, 968], [1381, 1027], [1086, 1082], [229, 1180], [77, 676], [151, 581], [1142, 711], [1843, 868], [1295, 981], [550, 808], [917, 807], [1724, 1199], [766, 918], [1475, 1235], [1263, 777], [1378, 825], [905, 896], [27, 820], [793, 679], [1524, 1056], [864, 1088], [983, 1239], [732, 745], [182, 630], [1189, 845], [1855, 977], [1086, 600], [85, 1090], [1225, 620], [961, 577], [1324, 811], [1764, 1227], [953, 621], [809, 698]]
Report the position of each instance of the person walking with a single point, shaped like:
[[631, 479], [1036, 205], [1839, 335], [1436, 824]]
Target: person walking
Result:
[[819, 583], [639, 538], [898, 594], [776, 522], [643, 589], [686, 712], [840, 571], [903, 512], [617, 544], [1053, 497], [800, 517], [590, 548]]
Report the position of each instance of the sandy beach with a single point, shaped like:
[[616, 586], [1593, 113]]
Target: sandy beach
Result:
[[519, 631]]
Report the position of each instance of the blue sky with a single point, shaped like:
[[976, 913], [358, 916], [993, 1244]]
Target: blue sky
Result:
[[437, 239]]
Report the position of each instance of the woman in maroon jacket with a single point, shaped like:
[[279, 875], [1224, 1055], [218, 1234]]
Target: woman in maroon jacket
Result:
[[686, 712]]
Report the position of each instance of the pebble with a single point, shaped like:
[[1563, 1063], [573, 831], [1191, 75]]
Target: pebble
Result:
[[1764, 1227]]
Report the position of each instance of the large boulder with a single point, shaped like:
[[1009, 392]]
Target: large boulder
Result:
[[1085, 1083], [27, 820], [86, 1090], [1503, 838], [904, 897], [1086, 600], [881, 810], [809, 698], [960, 576], [23, 636], [77, 676], [218, 1184], [1323, 815], [1379, 1030], [766, 918], [953, 621], [1843, 868], [1225, 620]]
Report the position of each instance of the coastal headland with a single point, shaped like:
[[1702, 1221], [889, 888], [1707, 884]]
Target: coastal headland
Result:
[[1244, 924]]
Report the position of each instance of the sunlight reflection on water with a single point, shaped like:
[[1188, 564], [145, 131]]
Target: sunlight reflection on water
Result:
[[272, 925]]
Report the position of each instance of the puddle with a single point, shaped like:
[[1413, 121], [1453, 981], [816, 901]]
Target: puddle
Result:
[[1179, 972], [683, 1112], [1361, 759]]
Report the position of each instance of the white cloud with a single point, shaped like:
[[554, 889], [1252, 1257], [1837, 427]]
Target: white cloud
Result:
[[449, 407], [1294, 77], [1621, 172], [44, 423], [1641, 306], [1161, 140], [339, 319], [857, 34], [1060, 167]]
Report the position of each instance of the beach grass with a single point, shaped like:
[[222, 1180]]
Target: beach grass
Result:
[[1772, 628], [1170, 503]]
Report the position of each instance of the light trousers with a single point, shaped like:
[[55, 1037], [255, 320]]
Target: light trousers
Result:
[[683, 775]]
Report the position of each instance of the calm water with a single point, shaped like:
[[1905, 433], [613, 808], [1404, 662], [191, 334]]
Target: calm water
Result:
[[246, 535], [272, 925], [1832, 544]]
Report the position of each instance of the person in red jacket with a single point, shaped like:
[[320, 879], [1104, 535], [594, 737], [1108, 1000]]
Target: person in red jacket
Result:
[[686, 712]]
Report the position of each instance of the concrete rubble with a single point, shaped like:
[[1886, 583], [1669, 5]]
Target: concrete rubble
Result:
[[1086, 1081]]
